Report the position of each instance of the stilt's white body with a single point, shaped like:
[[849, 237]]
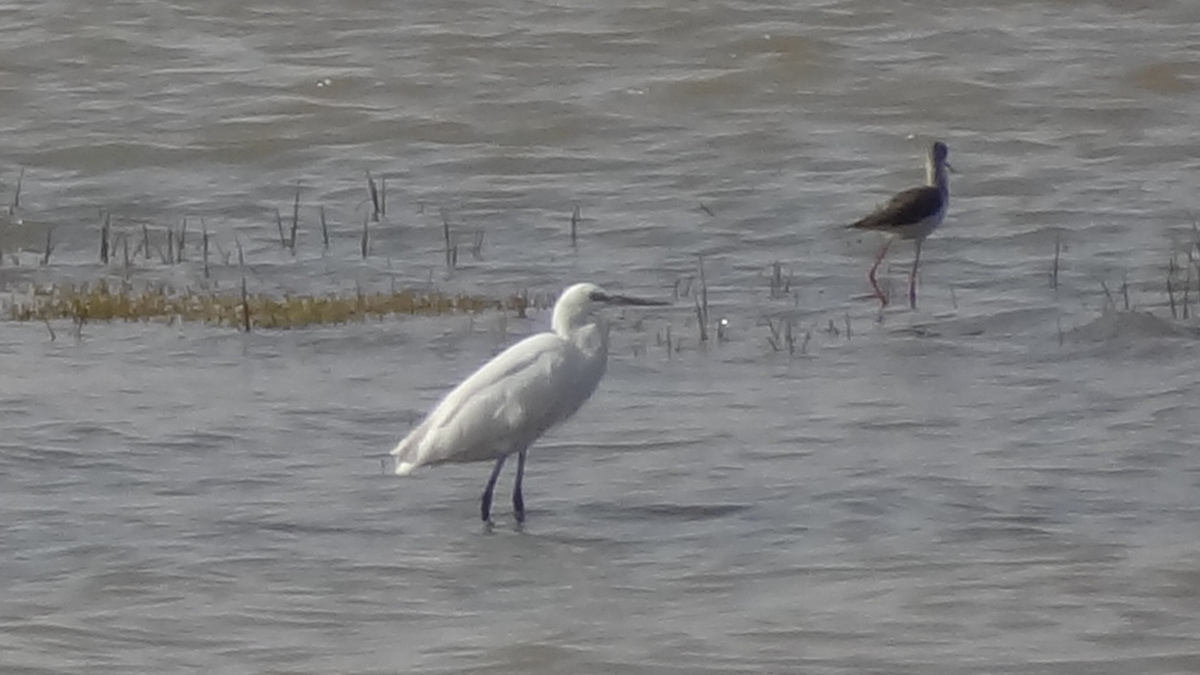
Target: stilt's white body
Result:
[[916, 212], [913, 214]]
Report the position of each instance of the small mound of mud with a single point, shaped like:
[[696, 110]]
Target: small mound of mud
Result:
[[1131, 327]]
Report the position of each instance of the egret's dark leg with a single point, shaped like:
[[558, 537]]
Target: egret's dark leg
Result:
[[871, 275], [485, 508], [912, 278], [518, 500]]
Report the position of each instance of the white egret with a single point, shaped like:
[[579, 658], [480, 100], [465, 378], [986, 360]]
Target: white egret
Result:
[[513, 399], [912, 214]]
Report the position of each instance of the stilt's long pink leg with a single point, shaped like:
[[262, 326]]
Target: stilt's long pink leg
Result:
[[883, 301], [912, 278]]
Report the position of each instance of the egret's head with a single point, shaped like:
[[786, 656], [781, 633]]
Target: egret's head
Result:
[[577, 303]]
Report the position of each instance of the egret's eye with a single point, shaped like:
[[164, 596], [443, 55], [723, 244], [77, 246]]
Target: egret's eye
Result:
[[597, 296]]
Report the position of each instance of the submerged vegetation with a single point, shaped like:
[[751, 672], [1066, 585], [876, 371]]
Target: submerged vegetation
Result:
[[187, 272], [125, 253], [124, 302]]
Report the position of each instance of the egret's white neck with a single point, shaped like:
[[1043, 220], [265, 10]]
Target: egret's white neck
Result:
[[568, 318]]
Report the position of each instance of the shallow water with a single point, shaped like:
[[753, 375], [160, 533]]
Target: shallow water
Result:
[[1002, 481]]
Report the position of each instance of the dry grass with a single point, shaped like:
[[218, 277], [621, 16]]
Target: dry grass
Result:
[[124, 302]]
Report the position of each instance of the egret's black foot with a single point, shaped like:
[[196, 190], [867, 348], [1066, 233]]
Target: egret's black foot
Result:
[[485, 507], [518, 508], [485, 504], [518, 497]]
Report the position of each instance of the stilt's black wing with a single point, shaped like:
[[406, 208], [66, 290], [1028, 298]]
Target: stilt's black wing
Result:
[[906, 208]]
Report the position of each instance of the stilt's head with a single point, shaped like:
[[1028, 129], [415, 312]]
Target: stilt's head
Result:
[[938, 157], [938, 153], [577, 304]]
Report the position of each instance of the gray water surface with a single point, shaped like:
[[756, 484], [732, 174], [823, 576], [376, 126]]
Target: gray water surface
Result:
[[1003, 481]]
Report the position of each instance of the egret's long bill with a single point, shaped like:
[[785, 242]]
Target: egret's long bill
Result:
[[512, 400]]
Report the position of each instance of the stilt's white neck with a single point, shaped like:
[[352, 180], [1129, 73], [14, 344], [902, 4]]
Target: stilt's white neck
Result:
[[936, 176]]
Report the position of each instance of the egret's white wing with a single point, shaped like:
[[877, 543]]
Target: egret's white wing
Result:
[[502, 407]]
